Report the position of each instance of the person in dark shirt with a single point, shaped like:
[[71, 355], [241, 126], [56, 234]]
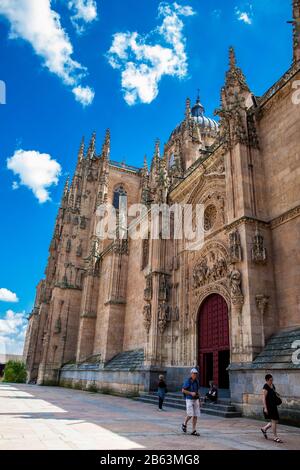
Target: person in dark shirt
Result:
[[270, 402], [212, 394], [161, 392]]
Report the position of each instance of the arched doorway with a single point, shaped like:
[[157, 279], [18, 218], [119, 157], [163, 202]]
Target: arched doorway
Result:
[[213, 341]]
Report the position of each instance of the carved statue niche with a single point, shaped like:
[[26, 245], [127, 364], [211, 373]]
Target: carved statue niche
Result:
[[147, 317], [210, 216], [57, 326], [235, 248], [148, 288], [258, 251], [235, 280], [82, 222], [163, 293], [79, 249], [68, 245], [163, 317]]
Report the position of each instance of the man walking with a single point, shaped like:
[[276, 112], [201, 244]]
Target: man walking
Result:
[[190, 389]]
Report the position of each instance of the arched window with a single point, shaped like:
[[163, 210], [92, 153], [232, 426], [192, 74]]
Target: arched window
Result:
[[119, 191]]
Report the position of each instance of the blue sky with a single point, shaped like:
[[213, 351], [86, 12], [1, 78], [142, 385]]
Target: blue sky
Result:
[[63, 61]]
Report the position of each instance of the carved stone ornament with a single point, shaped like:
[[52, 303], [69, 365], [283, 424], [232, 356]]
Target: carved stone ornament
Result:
[[235, 248], [83, 223], [68, 246], [262, 302], [57, 326], [210, 215], [147, 317], [121, 247], [148, 289], [163, 293], [258, 251], [79, 249], [163, 317], [235, 281], [211, 268]]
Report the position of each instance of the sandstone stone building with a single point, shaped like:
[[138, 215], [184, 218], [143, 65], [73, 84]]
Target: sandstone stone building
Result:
[[113, 314]]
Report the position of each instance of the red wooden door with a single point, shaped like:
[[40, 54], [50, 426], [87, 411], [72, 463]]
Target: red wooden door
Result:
[[213, 335]]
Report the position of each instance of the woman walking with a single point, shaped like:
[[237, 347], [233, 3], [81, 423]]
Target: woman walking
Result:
[[161, 391], [271, 401]]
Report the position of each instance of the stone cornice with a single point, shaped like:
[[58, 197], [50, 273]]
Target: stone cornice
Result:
[[274, 89], [273, 223], [285, 217], [246, 220], [125, 168]]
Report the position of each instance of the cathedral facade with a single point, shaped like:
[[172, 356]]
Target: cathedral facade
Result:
[[112, 314]]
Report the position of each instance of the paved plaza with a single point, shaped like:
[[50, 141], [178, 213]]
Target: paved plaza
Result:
[[34, 417]]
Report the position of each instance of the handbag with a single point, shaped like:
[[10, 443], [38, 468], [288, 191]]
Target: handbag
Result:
[[278, 400]]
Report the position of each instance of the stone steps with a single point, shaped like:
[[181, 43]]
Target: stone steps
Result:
[[222, 409]]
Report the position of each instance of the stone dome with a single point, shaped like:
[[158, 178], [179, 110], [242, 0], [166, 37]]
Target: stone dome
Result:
[[197, 115]]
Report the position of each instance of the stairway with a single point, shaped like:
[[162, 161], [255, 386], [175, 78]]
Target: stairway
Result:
[[223, 408]]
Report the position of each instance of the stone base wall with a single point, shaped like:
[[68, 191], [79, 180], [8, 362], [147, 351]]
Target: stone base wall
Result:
[[120, 382], [175, 376], [246, 386]]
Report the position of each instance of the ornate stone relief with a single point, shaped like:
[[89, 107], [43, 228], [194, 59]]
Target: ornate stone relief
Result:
[[121, 247], [68, 245], [83, 222], [235, 248], [148, 288], [258, 251], [147, 317], [235, 281], [79, 249], [262, 302], [163, 293], [210, 215], [163, 317], [57, 326], [210, 268]]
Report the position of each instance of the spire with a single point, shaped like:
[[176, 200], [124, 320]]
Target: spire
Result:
[[81, 151], [296, 31], [235, 79], [145, 165], [106, 145], [91, 149], [157, 149], [232, 58], [187, 108], [66, 188]]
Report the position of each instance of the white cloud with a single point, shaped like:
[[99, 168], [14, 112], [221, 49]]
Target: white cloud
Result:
[[245, 16], [84, 95], [15, 185], [143, 63], [36, 22], [12, 332], [7, 296], [38, 171], [85, 11]]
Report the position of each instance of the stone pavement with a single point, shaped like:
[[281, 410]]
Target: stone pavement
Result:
[[34, 417]]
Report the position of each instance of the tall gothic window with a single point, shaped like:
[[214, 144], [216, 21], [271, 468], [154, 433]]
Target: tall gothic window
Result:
[[119, 191]]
